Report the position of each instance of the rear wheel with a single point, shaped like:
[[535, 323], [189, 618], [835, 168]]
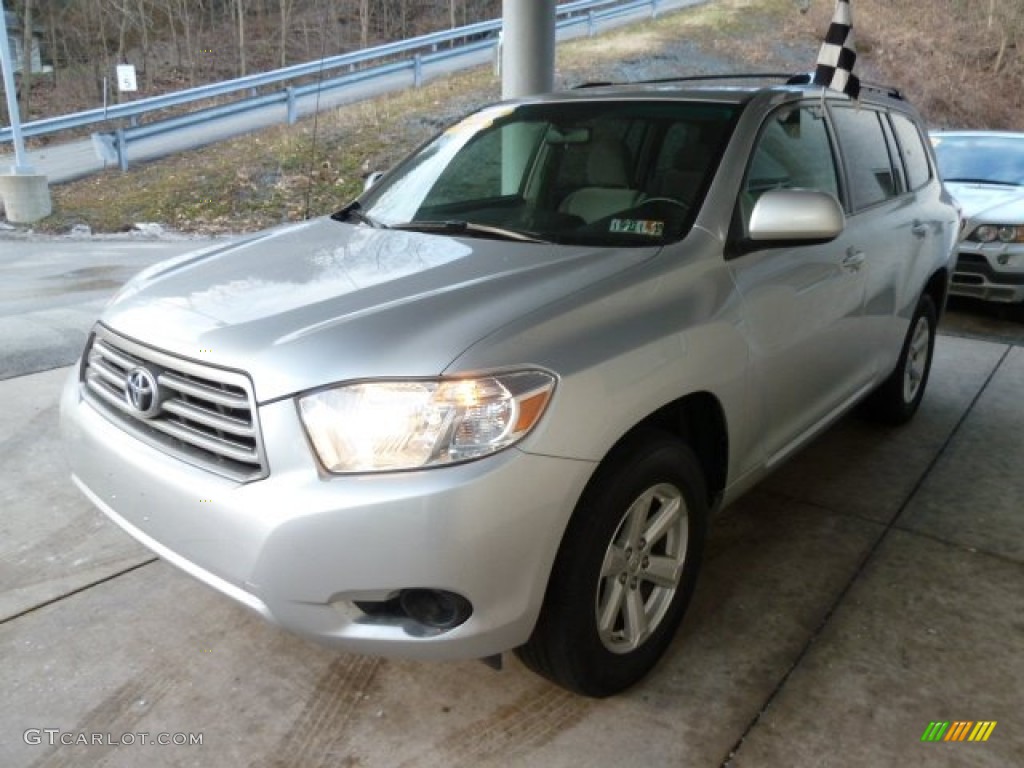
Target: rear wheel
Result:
[[899, 396], [626, 569]]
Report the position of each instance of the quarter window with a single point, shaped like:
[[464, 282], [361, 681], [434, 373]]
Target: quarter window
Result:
[[914, 154], [871, 176]]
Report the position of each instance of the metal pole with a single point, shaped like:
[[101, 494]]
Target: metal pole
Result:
[[21, 164], [528, 62]]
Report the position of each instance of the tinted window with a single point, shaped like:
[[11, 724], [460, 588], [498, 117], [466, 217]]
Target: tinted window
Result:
[[915, 156], [868, 165], [793, 151]]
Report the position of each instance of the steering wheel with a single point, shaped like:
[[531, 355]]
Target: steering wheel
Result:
[[670, 200]]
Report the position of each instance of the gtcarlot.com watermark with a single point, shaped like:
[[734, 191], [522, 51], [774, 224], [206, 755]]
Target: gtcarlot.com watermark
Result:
[[54, 737]]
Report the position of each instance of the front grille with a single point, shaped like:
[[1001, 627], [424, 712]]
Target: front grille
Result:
[[976, 259], [203, 415], [962, 278]]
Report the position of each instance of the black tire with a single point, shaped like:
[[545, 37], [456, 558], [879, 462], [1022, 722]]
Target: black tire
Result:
[[897, 399], [606, 564]]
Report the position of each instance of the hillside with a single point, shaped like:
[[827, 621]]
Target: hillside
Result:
[[969, 74]]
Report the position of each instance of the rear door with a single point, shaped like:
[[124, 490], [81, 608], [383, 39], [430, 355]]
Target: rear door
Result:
[[905, 223]]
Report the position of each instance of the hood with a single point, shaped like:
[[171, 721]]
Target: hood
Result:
[[320, 302], [994, 203]]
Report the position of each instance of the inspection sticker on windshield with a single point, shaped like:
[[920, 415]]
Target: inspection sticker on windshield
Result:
[[637, 227]]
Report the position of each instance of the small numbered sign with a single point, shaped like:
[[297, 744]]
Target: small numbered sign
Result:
[[126, 77]]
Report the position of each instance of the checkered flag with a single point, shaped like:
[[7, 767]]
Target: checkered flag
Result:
[[837, 56]]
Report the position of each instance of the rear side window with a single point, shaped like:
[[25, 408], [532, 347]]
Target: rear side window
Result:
[[869, 170], [915, 156]]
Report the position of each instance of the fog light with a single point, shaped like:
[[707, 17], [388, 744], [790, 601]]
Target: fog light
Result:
[[435, 608]]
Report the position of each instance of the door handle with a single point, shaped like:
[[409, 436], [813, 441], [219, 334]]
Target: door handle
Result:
[[853, 260], [919, 229]]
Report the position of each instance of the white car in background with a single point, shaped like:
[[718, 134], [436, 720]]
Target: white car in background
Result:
[[984, 171]]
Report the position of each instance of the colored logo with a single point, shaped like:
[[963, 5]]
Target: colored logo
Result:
[[958, 730]]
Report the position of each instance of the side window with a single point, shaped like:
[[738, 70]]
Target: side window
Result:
[[793, 151], [915, 156], [869, 168]]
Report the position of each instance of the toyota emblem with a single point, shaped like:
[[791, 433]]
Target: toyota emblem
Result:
[[142, 392]]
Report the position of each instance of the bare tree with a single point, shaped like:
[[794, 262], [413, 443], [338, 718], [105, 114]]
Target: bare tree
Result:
[[240, 8], [145, 23], [364, 23], [27, 46], [184, 10], [284, 22]]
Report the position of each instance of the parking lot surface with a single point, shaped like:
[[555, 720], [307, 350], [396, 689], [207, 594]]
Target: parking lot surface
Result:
[[872, 586]]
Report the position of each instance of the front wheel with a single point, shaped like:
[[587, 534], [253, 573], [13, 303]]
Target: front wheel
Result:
[[626, 569], [899, 396]]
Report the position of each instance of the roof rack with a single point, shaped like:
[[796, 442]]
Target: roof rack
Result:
[[788, 78], [806, 78], [693, 78]]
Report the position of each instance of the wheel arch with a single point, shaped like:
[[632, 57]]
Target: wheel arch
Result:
[[937, 288], [697, 419]]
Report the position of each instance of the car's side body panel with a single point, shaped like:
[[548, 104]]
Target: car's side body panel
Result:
[[778, 337]]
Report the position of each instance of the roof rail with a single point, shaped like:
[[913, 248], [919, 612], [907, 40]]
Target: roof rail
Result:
[[788, 78], [806, 78], [694, 78]]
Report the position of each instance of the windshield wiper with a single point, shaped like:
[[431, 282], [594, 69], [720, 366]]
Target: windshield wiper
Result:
[[354, 212], [459, 227], [984, 181]]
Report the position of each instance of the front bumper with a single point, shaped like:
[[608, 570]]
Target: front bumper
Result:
[[299, 547], [990, 271]]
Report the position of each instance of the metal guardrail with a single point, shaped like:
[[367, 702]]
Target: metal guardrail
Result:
[[417, 52]]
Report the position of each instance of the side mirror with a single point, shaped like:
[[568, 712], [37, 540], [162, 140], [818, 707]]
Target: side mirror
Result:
[[796, 216], [371, 179]]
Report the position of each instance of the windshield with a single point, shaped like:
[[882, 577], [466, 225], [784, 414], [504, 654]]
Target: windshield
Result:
[[982, 158], [615, 173]]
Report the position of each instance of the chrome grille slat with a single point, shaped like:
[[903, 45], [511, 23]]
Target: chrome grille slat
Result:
[[218, 396], [103, 370], [109, 353], [115, 398], [206, 417], [222, 447]]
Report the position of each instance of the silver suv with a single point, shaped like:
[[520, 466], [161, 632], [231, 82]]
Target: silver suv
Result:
[[492, 403]]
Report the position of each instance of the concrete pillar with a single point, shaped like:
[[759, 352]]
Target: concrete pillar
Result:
[[528, 54], [26, 197], [25, 193]]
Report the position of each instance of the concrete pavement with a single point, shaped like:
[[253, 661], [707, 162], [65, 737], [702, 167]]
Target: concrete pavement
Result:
[[873, 585], [53, 289]]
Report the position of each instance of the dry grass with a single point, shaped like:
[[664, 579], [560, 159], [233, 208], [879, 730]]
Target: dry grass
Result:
[[274, 176]]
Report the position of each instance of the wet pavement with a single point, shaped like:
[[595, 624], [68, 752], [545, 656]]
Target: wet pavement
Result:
[[53, 289], [873, 585]]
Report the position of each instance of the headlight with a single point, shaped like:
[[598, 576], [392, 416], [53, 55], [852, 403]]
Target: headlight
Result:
[[1004, 233], [406, 424]]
